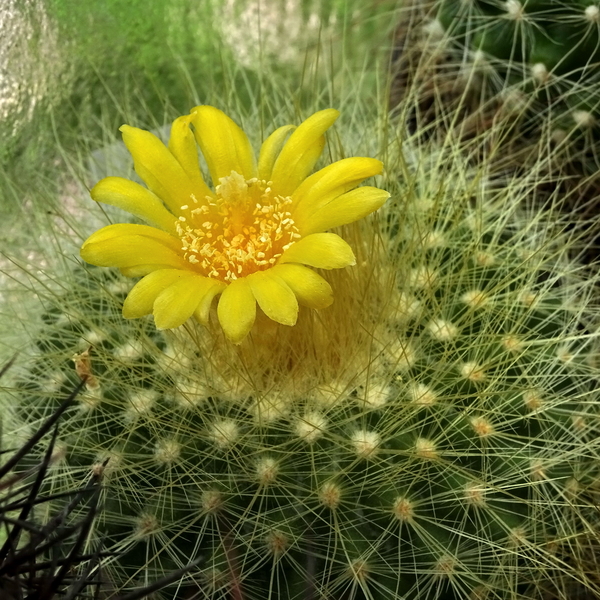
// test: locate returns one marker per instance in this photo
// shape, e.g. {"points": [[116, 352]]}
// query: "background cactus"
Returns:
{"points": [[540, 56], [433, 434], [517, 81], [551, 50]]}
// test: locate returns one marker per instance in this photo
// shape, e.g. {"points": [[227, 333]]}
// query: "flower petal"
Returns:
{"points": [[159, 169], [177, 303], [140, 300], [301, 152], [320, 250], [182, 145], [224, 145], [332, 181], [130, 251], [135, 199], [140, 270], [274, 297], [120, 229], [344, 209], [203, 309], [309, 287], [237, 310], [269, 151]]}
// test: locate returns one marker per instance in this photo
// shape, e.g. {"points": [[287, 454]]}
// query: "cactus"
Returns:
{"points": [[537, 55], [517, 81], [431, 435], [531, 54], [549, 38], [554, 50]]}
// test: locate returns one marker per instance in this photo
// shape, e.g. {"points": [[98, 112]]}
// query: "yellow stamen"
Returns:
{"points": [[249, 229]]}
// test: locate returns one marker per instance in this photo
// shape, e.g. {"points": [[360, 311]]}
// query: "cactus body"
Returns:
{"points": [[549, 50], [452, 463]]}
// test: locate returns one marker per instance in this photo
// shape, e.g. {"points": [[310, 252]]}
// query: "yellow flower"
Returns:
{"points": [[250, 239]]}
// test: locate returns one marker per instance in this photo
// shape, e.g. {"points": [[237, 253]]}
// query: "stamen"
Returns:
{"points": [[244, 235]]}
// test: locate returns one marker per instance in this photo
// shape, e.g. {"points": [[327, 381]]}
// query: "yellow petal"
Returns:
{"points": [[237, 310], [182, 145], [299, 155], [130, 251], [274, 297], [127, 229], [203, 309], [140, 300], [344, 209], [224, 145], [269, 151], [177, 303], [310, 288], [140, 270], [332, 181], [135, 199], [320, 250], [159, 169]]}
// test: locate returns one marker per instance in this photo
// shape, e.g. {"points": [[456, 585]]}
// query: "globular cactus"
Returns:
{"points": [[537, 60], [517, 81], [550, 51], [432, 434]]}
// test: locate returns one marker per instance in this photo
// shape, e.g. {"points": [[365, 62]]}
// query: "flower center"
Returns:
{"points": [[243, 230]]}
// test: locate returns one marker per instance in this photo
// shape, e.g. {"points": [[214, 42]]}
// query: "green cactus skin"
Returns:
{"points": [[453, 466], [549, 50]]}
